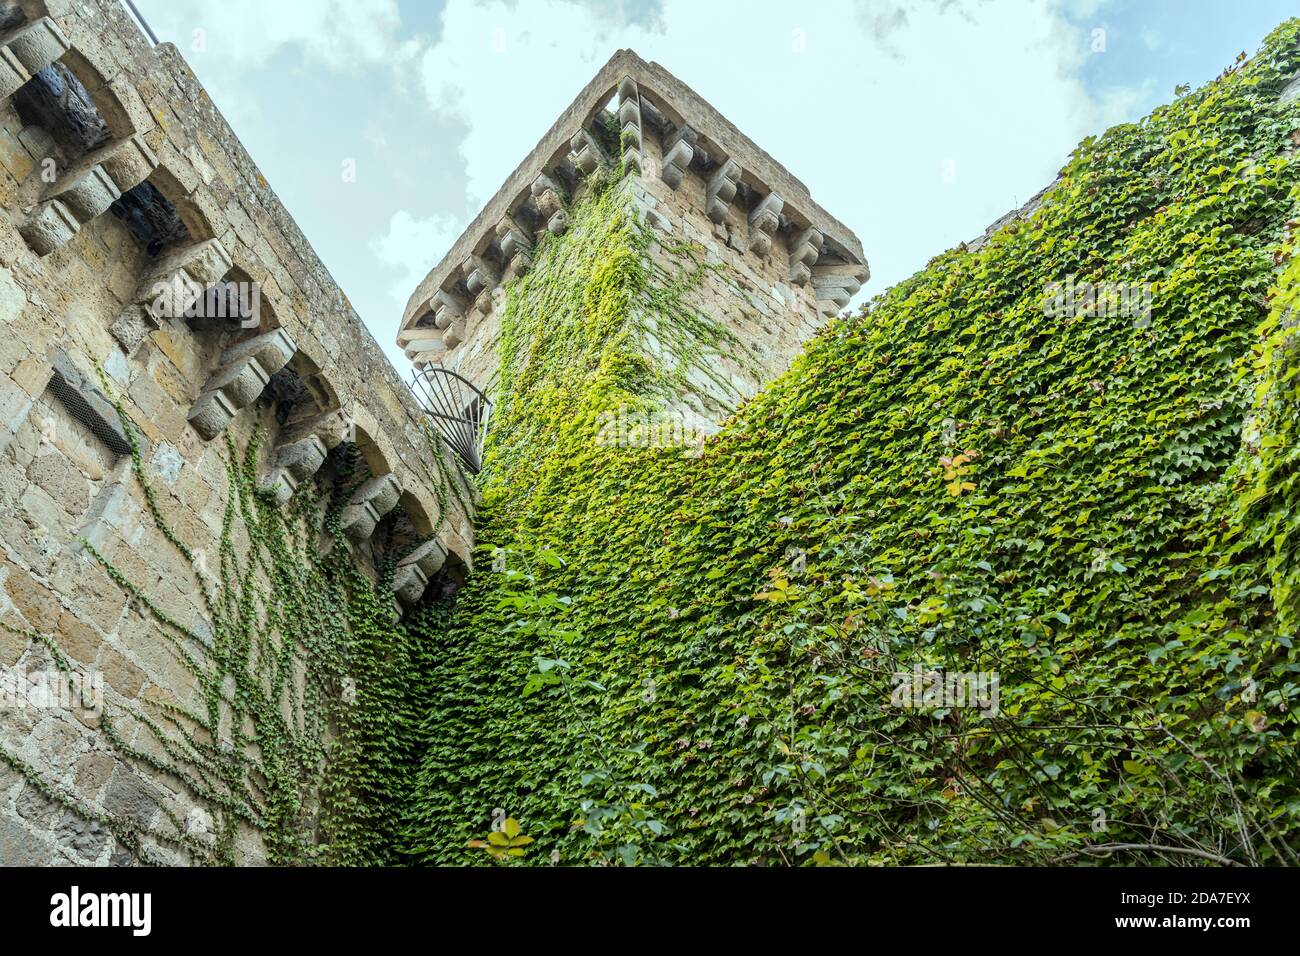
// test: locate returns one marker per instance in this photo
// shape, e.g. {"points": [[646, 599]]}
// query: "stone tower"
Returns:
{"points": [[695, 178]]}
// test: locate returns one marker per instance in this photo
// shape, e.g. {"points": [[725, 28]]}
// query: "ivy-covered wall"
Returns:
{"points": [[666, 656], [289, 732]]}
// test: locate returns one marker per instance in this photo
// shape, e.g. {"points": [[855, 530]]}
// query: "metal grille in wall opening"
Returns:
{"points": [[458, 409]]}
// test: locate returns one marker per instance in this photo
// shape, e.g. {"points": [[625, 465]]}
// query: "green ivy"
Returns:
{"points": [[1098, 510]]}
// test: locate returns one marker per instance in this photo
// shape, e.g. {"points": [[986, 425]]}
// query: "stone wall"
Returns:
{"points": [[126, 199], [754, 295]]}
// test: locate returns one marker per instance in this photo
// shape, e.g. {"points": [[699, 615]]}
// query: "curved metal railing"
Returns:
{"points": [[458, 409]]}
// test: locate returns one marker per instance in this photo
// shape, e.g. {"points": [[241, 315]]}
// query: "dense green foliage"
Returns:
{"points": [[1271, 501], [667, 658]]}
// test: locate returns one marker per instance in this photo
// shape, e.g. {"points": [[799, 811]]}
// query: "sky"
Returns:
{"points": [[385, 125]]}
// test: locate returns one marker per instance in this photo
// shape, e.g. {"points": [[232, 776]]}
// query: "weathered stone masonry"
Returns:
{"points": [[117, 173]]}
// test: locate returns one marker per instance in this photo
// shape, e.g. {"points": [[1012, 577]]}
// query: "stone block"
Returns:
{"points": [[122, 675], [429, 557], [676, 161], [382, 491], [241, 381], [205, 262], [77, 639], [518, 265], [633, 161], [12, 74], [446, 306], [128, 162], [280, 485], [479, 276], [358, 521], [1291, 92], [374, 499], [37, 141], [425, 349], [211, 414], [85, 838], [12, 646], [132, 327], [58, 477], [721, 190], [131, 798], [36, 808], [409, 584], [36, 45], [121, 857], [629, 113], [13, 154], [764, 220], [586, 153], [806, 247], [86, 586], [511, 237], [19, 846], [546, 196], [13, 298], [38, 605], [92, 772], [303, 458], [272, 350], [166, 463], [87, 194], [50, 226], [331, 428]]}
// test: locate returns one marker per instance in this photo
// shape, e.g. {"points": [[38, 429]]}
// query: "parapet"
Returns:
{"points": [[698, 171]]}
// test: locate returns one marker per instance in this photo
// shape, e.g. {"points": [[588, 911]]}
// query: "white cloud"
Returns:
{"points": [[1152, 40], [335, 34], [410, 248], [414, 246], [1082, 9], [507, 71]]}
